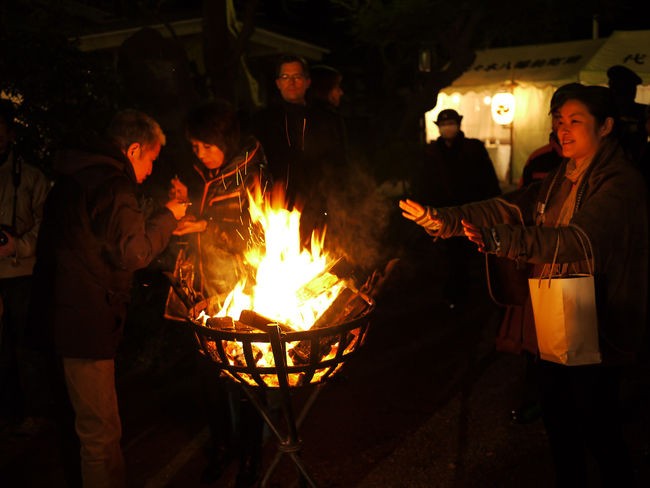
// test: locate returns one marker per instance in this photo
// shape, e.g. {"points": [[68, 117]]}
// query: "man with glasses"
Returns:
{"points": [[302, 144]]}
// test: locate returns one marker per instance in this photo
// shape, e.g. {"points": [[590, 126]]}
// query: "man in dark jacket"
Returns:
{"points": [[623, 82], [303, 144], [94, 235], [455, 170]]}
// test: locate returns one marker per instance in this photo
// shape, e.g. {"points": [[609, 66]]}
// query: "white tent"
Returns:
{"points": [[532, 74]]}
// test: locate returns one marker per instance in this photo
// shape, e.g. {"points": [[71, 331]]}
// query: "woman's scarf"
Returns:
{"points": [[574, 174]]}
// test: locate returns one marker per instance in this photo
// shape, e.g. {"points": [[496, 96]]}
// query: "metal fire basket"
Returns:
{"points": [[259, 353]]}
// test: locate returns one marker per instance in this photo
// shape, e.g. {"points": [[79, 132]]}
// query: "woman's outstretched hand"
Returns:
{"points": [[421, 215], [411, 210]]}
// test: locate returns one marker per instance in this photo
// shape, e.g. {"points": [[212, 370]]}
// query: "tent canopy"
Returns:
{"points": [[585, 61], [532, 73], [627, 48], [538, 64]]}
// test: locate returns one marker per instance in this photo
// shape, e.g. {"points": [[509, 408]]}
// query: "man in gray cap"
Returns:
{"points": [[623, 82]]}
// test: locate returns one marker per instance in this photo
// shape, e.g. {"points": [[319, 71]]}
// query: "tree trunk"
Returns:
{"points": [[222, 51]]}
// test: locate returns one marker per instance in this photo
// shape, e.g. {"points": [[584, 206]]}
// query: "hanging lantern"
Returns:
{"points": [[503, 108]]}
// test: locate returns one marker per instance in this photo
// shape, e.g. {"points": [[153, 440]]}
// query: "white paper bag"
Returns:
{"points": [[566, 321]]}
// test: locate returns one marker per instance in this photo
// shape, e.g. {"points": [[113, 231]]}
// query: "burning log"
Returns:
{"points": [[249, 317], [347, 306], [220, 323]]}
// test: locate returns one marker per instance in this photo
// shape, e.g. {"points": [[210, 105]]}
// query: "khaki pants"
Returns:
{"points": [[91, 386]]}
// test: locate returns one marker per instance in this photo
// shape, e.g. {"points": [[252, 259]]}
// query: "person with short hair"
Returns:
{"points": [[219, 229], [546, 158], [94, 236]]}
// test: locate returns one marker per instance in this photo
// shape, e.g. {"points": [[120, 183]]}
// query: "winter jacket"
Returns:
{"points": [[456, 174], [32, 190], [94, 235], [611, 212], [224, 204]]}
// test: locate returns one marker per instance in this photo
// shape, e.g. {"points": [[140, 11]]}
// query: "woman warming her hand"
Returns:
{"points": [[594, 200]]}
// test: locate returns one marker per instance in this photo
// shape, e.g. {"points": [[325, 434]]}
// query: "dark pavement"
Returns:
{"points": [[425, 403]]}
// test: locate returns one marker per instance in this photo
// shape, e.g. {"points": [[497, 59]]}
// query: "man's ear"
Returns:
{"points": [[132, 150]]}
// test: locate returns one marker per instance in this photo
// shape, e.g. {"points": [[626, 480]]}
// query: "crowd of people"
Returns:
{"points": [[70, 248]]}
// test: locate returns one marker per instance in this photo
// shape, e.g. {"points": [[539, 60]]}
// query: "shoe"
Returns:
{"points": [[526, 413], [217, 464]]}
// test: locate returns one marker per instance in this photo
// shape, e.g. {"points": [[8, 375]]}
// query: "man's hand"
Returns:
{"points": [[178, 207]]}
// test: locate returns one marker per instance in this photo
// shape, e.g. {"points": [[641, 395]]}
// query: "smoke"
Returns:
{"points": [[358, 216]]}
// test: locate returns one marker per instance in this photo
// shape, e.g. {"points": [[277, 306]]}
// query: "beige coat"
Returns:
{"points": [[32, 191]]}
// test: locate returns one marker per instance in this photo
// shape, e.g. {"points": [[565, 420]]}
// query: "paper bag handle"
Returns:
{"points": [[584, 243]]}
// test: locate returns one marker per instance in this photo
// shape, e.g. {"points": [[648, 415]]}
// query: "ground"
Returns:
{"points": [[424, 403]]}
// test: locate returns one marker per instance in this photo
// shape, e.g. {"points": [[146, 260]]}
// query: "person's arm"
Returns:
{"points": [[614, 210], [445, 222], [135, 240]]}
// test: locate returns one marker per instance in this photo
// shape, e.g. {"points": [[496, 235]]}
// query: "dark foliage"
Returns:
{"points": [[59, 90]]}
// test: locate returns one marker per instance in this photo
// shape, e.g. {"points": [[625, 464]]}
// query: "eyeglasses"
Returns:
{"points": [[285, 78]]}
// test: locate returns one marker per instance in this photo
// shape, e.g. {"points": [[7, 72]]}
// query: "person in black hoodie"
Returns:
{"points": [[94, 235]]}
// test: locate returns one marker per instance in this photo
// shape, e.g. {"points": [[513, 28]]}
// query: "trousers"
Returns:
{"points": [[91, 387]]}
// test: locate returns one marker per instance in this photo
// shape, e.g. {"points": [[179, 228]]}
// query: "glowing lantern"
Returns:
{"points": [[503, 108]]}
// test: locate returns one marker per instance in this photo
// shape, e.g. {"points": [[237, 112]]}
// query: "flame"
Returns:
{"points": [[292, 284]]}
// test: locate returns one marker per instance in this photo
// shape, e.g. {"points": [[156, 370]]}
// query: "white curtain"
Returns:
{"points": [[532, 124]]}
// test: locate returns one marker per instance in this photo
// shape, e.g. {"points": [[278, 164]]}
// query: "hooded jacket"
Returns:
{"points": [[94, 235], [611, 211]]}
